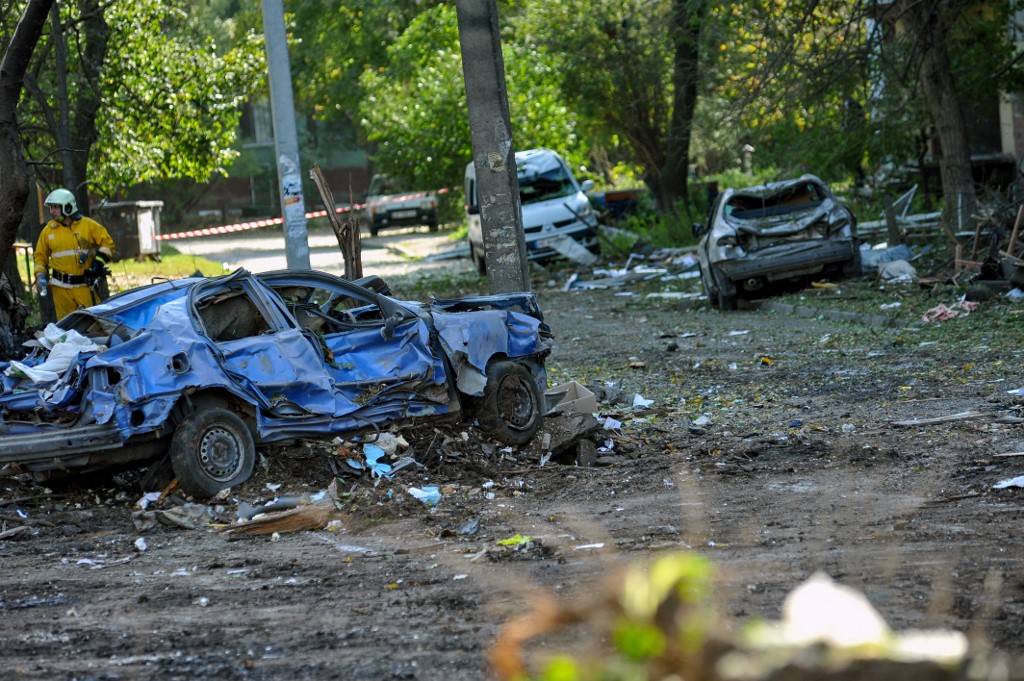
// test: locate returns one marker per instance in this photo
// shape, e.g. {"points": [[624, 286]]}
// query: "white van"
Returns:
{"points": [[553, 202]]}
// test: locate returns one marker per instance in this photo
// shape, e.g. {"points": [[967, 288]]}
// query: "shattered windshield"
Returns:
{"points": [[540, 182], [792, 198]]}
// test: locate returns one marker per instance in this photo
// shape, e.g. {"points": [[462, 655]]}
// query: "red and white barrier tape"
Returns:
{"points": [[256, 224]]}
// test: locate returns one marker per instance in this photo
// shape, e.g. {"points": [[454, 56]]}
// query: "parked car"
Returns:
{"points": [[554, 205], [772, 234], [390, 203], [204, 370]]}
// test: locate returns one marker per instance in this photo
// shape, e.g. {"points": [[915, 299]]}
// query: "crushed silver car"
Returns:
{"points": [[778, 233]]}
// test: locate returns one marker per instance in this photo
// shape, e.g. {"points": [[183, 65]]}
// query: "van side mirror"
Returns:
{"points": [[586, 185]]}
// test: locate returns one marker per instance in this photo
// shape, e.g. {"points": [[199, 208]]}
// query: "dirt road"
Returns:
{"points": [[771, 447]]}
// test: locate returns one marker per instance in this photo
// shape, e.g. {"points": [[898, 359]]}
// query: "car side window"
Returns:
{"points": [[328, 311], [231, 315]]}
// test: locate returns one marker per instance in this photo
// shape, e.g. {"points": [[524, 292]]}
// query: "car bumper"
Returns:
{"points": [[405, 217], [789, 259]]}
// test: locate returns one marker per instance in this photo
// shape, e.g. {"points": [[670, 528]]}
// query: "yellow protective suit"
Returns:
{"points": [[68, 251]]}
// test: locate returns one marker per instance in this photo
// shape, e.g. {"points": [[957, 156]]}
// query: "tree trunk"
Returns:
{"points": [[87, 104], [74, 125], [687, 19], [14, 190], [926, 21]]}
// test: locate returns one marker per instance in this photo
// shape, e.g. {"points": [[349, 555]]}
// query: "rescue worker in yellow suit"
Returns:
{"points": [[75, 249]]}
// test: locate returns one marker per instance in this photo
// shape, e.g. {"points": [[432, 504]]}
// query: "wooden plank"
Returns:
{"points": [[1013, 235], [962, 416]]}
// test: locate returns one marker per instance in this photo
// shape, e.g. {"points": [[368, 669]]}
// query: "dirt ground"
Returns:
{"points": [[771, 447]]}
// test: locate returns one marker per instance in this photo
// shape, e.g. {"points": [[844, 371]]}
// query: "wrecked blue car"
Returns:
{"points": [[202, 371]]}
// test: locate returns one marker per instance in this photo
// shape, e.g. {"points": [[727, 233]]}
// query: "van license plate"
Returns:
{"points": [[403, 214]]}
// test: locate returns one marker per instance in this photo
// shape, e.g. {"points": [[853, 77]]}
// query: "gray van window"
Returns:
{"points": [[540, 184]]}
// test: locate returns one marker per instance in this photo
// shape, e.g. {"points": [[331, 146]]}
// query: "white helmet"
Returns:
{"points": [[64, 199]]}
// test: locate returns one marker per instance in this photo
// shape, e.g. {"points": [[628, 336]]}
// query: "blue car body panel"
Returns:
{"points": [[308, 354]]}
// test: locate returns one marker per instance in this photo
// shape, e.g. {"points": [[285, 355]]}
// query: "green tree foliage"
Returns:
{"points": [[335, 41], [613, 59], [793, 78], [162, 101], [195, 90], [414, 112]]}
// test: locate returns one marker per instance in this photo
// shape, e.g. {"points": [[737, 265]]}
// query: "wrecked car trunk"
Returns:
{"points": [[778, 233], [204, 370]]}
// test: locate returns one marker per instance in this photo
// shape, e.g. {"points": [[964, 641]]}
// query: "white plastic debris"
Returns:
{"points": [[147, 499], [430, 496], [571, 249], [141, 545], [390, 443], [611, 424], [1011, 482], [640, 402]]}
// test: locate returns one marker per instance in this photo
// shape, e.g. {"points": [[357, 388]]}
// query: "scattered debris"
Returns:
{"points": [[897, 272], [962, 416], [569, 248], [14, 531], [944, 313], [312, 513], [430, 495], [572, 398], [1012, 482], [639, 402], [515, 540], [675, 265]]}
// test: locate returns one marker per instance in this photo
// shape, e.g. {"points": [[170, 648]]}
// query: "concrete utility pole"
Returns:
{"points": [[286, 140], [501, 217]]}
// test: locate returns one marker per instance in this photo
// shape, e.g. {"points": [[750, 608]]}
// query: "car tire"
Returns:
{"points": [[211, 450], [511, 407], [725, 292], [374, 229], [851, 268], [433, 226]]}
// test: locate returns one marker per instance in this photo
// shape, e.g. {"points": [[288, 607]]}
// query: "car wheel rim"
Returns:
{"points": [[515, 403], [219, 454]]}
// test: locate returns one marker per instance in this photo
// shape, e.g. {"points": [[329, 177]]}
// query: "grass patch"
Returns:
{"points": [[127, 274], [994, 325]]}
